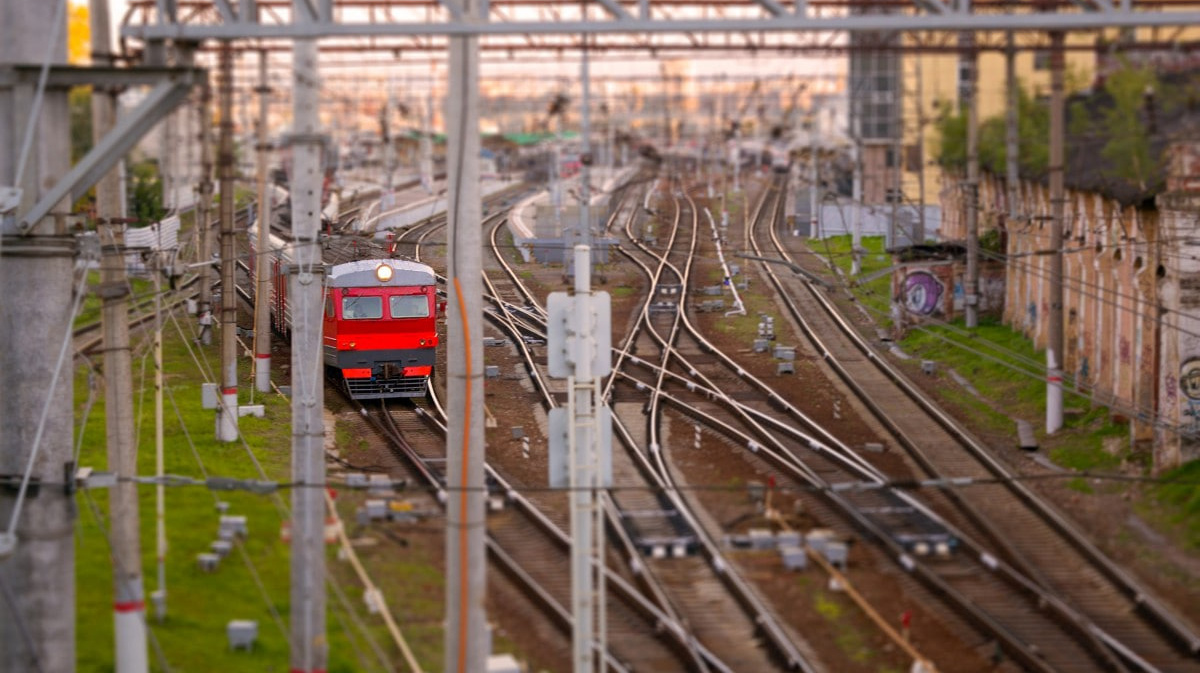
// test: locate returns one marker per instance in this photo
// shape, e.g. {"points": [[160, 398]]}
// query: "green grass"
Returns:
{"points": [[745, 327], [1180, 496], [1006, 369], [1086, 450], [848, 639], [90, 307], [505, 242], [1000, 363], [735, 203], [192, 637], [875, 294]]}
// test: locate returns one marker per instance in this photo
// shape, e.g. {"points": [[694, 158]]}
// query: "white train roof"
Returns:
{"points": [[361, 273]]}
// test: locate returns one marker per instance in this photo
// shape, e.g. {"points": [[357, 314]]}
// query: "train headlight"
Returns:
{"points": [[383, 272]]}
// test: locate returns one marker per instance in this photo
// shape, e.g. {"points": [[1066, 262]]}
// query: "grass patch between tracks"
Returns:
{"points": [[846, 635], [92, 304], [1181, 501], [1008, 373], [193, 637], [874, 294]]}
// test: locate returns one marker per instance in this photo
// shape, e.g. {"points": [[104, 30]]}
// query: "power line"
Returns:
{"points": [[1089, 391], [176, 481]]}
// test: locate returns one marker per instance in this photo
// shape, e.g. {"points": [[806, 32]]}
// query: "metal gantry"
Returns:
{"points": [[525, 25]]}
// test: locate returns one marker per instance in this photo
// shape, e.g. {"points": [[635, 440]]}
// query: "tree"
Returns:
{"points": [[1033, 133], [79, 104], [145, 192], [1128, 147]]}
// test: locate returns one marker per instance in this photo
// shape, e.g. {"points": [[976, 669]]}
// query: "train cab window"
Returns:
{"points": [[409, 306], [328, 307], [362, 308]]}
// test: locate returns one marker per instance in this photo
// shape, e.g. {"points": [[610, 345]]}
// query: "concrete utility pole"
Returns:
{"points": [[425, 147], [1054, 338], [203, 219], [168, 146], [1012, 168], [37, 549], [556, 189], [466, 563], [585, 170], [609, 130], [665, 83], [389, 153], [970, 100], [735, 157], [159, 595], [918, 97], [262, 293], [129, 602], [857, 198], [1012, 147], [227, 412], [587, 520], [305, 296], [814, 199], [897, 175]]}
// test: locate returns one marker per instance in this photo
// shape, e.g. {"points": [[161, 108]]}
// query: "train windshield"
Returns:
{"points": [[409, 306], [362, 308]]}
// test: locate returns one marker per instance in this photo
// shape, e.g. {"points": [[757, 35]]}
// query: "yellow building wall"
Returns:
{"points": [[931, 90], [931, 87]]}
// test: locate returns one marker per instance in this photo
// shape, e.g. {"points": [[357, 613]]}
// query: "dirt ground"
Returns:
{"points": [[841, 633]]}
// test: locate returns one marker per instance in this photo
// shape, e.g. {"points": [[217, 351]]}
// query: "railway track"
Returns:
{"points": [[532, 548], [526, 539], [1016, 573], [1091, 600], [744, 633], [1026, 621]]}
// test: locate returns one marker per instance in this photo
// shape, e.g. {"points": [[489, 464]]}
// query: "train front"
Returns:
{"points": [[380, 327]]}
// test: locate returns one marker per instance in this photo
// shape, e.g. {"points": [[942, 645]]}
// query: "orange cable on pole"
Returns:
{"points": [[466, 441]]}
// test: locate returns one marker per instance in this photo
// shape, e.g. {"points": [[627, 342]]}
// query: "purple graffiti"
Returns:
{"points": [[922, 292]]}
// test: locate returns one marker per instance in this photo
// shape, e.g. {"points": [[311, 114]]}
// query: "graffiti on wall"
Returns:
{"points": [[923, 293], [1189, 385]]}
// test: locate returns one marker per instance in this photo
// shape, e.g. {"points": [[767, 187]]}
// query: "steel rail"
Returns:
{"points": [[762, 616], [1071, 615]]}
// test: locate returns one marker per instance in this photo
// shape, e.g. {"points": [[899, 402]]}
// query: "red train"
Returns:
{"points": [[379, 326]]}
